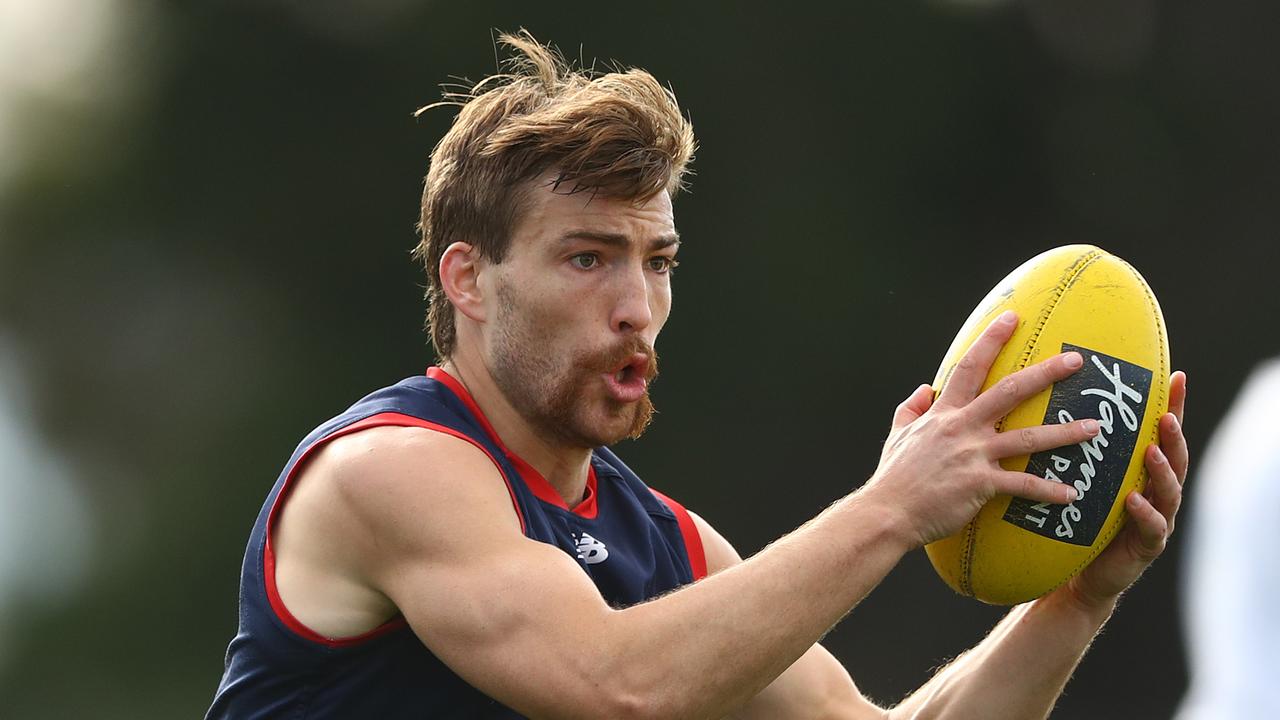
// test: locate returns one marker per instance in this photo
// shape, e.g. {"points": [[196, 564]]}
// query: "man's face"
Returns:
{"points": [[578, 302]]}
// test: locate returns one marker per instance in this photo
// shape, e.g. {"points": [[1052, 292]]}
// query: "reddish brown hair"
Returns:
{"points": [[619, 134]]}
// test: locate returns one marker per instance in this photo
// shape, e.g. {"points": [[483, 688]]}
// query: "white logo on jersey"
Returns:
{"points": [[591, 550]]}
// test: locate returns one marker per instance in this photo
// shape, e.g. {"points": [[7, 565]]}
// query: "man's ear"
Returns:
{"points": [[460, 267]]}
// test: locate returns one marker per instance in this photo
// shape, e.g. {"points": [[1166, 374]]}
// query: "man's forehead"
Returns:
{"points": [[551, 209]]}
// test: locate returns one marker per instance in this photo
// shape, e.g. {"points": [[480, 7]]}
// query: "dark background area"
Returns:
{"points": [[206, 213]]}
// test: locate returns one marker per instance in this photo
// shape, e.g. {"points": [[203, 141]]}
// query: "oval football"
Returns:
{"points": [[1076, 297]]}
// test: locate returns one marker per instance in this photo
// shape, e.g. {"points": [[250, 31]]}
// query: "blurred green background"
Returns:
{"points": [[206, 211]]}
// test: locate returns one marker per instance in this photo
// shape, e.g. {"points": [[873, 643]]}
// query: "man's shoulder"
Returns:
{"points": [[400, 490], [388, 455]]}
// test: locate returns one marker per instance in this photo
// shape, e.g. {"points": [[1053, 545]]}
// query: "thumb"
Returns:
{"points": [[910, 410]]}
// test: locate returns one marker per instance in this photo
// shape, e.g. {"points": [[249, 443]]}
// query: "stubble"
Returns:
{"points": [[551, 386]]}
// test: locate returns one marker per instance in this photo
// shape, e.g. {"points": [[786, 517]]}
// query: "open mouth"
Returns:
{"points": [[635, 368], [627, 382]]}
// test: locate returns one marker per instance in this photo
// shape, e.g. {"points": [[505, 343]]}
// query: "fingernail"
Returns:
{"points": [[1157, 454], [1072, 494], [1008, 317], [1090, 426], [1173, 422], [1073, 360]]}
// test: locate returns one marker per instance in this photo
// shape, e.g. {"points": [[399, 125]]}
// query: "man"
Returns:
{"points": [[462, 545]]}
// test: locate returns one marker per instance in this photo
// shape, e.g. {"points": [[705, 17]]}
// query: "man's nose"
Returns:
{"points": [[631, 312]]}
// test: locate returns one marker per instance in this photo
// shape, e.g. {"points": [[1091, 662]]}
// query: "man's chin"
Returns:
{"points": [[621, 422]]}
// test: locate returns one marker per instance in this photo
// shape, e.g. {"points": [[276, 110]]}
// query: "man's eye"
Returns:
{"points": [[662, 264], [585, 261]]}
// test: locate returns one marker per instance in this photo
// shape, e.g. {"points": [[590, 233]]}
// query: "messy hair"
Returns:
{"points": [[618, 134]]}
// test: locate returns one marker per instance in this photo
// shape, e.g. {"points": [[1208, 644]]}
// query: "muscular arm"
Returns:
{"points": [[1038, 643], [425, 520], [521, 621], [1018, 671], [435, 531]]}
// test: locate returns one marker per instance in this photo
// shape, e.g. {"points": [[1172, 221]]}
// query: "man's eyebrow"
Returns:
{"points": [[619, 240]]}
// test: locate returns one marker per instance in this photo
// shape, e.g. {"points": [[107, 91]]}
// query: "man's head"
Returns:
{"points": [[548, 206], [618, 135]]}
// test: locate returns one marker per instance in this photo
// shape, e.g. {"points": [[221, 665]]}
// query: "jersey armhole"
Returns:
{"points": [[268, 556], [692, 539]]}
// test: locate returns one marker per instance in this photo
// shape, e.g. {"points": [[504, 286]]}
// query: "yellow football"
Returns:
{"points": [[1076, 297]]}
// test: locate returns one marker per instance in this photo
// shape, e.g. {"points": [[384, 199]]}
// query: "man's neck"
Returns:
{"points": [[565, 469]]}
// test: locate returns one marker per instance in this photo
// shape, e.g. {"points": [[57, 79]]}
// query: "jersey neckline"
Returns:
{"points": [[537, 484]]}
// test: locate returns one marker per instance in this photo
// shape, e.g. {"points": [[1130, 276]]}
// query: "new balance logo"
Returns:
{"points": [[590, 550]]}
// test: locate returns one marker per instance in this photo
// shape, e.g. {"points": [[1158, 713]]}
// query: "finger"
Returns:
{"points": [[1032, 487], [1025, 441], [1152, 526], [913, 407], [1012, 389], [1178, 394], [971, 372], [1163, 492], [1174, 446]]}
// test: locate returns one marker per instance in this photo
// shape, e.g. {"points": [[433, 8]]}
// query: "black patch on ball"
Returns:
{"points": [[1114, 393]]}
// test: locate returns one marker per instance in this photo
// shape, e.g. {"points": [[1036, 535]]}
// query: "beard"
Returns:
{"points": [[555, 393]]}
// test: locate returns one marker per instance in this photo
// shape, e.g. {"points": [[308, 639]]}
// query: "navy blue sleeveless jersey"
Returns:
{"points": [[633, 542]]}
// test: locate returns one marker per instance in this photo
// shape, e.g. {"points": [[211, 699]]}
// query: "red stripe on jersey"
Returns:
{"points": [[537, 484], [692, 539], [269, 559]]}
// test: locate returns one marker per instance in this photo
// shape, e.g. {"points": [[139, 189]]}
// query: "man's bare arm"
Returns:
{"points": [[519, 619], [426, 521], [1029, 655], [1028, 658]]}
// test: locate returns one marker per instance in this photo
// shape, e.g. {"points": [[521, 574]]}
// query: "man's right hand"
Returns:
{"points": [[941, 462]]}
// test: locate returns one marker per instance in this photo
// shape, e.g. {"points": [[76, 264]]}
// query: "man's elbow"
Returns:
{"points": [[635, 706], [640, 694]]}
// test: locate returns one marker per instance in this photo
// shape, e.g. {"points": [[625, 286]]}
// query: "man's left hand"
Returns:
{"points": [[1151, 513]]}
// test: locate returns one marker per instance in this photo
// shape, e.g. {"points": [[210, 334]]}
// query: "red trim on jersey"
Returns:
{"points": [[269, 559], [692, 539], [532, 478]]}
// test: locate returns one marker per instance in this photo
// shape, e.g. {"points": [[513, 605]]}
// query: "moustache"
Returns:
{"points": [[610, 359]]}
